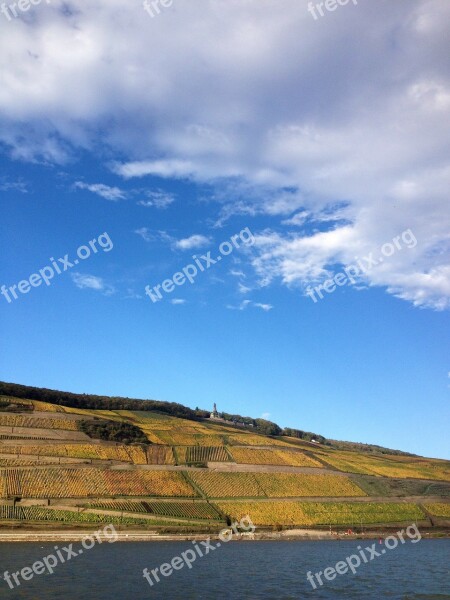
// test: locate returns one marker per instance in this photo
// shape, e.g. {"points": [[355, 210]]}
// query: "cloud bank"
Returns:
{"points": [[335, 128]]}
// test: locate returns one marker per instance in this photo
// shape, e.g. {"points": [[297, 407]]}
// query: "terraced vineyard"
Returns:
{"points": [[285, 485], [254, 456], [153, 437], [365, 512], [227, 485], [85, 482], [181, 510], [36, 422], [247, 439], [265, 513], [189, 439], [185, 510], [201, 454], [133, 506], [388, 466], [133, 454], [17, 462], [438, 509], [38, 514], [24, 437], [46, 407], [323, 513], [273, 485], [12, 400]]}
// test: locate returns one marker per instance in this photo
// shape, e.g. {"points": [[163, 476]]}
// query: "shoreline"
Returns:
{"points": [[139, 536]]}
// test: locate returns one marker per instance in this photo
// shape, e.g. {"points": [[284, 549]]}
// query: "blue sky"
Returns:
{"points": [[325, 143]]}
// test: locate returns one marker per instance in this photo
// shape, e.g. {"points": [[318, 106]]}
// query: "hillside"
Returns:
{"points": [[67, 466]]}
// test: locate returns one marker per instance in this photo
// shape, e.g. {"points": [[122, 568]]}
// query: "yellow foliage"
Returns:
{"points": [[388, 466], [439, 509], [41, 423], [79, 483], [273, 485], [322, 513], [134, 454], [275, 456]]}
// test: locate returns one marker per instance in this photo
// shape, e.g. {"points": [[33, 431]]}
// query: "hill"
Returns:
{"points": [[91, 401], [164, 467]]}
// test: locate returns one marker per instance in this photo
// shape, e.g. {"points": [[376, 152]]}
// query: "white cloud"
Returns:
{"points": [[248, 303], [265, 415], [178, 301], [316, 113], [194, 241], [242, 306], [6, 185], [145, 234], [236, 273], [161, 168], [157, 199], [314, 258], [105, 191], [264, 307], [92, 282], [244, 289], [298, 219], [154, 236]]}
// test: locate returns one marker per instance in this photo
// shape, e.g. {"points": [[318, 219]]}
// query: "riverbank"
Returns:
{"points": [[146, 536]]}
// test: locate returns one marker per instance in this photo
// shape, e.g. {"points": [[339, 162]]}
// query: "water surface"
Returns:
{"points": [[248, 570]]}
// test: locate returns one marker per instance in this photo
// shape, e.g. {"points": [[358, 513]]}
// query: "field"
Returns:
{"points": [[192, 438], [185, 510], [181, 510], [19, 462], [133, 506], [201, 454], [255, 456], [47, 407], [133, 454], [265, 513], [85, 482], [438, 509], [386, 465], [367, 512], [14, 400], [153, 437], [38, 514], [248, 439], [227, 485], [384, 486], [322, 513], [277, 485], [37, 422], [273, 485]]}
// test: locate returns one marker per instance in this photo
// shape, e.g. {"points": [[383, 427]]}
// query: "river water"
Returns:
{"points": [[237, 570]]}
